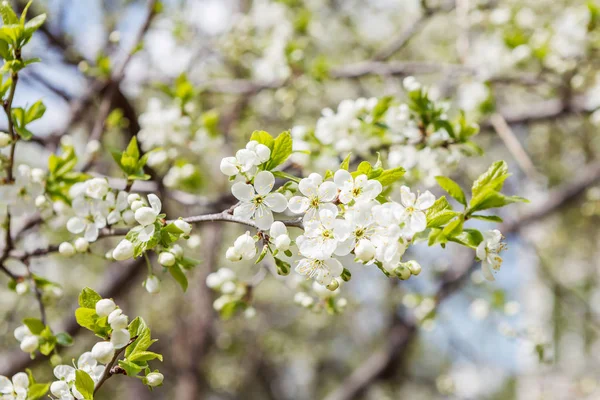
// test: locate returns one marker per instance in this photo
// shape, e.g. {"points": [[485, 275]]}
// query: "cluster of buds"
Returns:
{"points": [[234, 294]]}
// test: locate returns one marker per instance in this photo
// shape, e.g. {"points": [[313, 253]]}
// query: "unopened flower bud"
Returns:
{"points": [[282, 242], [104, 307], [131, 198], [4, 139], [21, 288], [232, 255], [184, 226], [103, 352], [194, 241], [92, 147], [81, 245], [228, 287], [413, 266], [333, 285], [120, 338], [41, 201], [30, 343], [152, 284], [123, 251], [154, 379], [117, 320], [402, 272], [177, 251], [365, 250], [38, 175], [166, 259], [129, 217], [66, 249], [136, 205], [145, 215], [250, 312]]}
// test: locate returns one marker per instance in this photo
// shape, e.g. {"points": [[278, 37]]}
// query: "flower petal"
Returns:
{"points": [[91, 233], [155, 203], [263, 182], [242, 191], [335, 267], [277, 229], [327, 191], [425, 201], [146, 233], [417, 222], [407, 198], [245, 210], [263, 217], [342, 177], [298, 204], [75, 225], [276, 202], [307, 187]]}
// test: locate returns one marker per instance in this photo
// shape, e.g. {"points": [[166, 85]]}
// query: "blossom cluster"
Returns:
{"points": [[233, 292], [402, 131]]}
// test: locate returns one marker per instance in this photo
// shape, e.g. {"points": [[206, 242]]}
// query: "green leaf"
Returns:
{"points": [[132, 149], [84, 384], [452, 188], [36, 111], [34, 24], [489, 218], [453, 228], [8, 15], [469, 238], [492, 179], [346, 163], [86, 317], [263, 137], [493, 199], [179, 276], [64, 339], [144, 356], [390, 176], [88, 298], [37, 390], [441, 218], [35, 325], [282, 149], [283, 268], [131, 368]]}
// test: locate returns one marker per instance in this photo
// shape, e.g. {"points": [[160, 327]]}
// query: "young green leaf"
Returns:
{"points": [[281, 150], [84, 384], [452, 188], [88, 298]]}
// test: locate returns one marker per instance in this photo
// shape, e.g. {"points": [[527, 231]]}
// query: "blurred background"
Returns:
{"points": [[526, 71]]}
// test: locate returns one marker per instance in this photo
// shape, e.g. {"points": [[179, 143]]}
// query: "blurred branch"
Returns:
{"points": [[403, 332], [514, 146]]}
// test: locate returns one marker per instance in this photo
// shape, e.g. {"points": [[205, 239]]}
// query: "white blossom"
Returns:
{"points": [[256, 201], [152, 284], [360, 189], [246, 160], [322, 271], [104, 307], [488, 251], [414, 208], [123, 251], [318, 196], [279, 235], [15, 389], [154, 379], [103, 352]]}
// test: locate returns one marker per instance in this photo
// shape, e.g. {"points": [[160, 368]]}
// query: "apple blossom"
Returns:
{"points": [[488, 252], [154, 379], [66, 249], [81, 245], [117, 320], [360, 189], [166, 259], [256, 201], [319, 196], [152, 284]]}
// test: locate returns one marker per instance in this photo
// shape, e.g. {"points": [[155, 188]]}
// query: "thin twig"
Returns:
{"points": [[108, 369]]}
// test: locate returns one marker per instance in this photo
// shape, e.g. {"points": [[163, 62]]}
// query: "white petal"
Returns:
{"points": [[487, 273], [229, 166], [64, 372], [407, 198], [335, 267], [425, 201], [417, 222], [263, 182], [6, 386], [244, 210], [263, 218], [298, 204], [327, 191], [329, 206], [372, 189], [91, 233], [276, 202], [20, 381], [146, 233], [75, 225], [345, 247], [342, 177], [155, 203], [113, 217], [307, 187], [242, 191]]}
